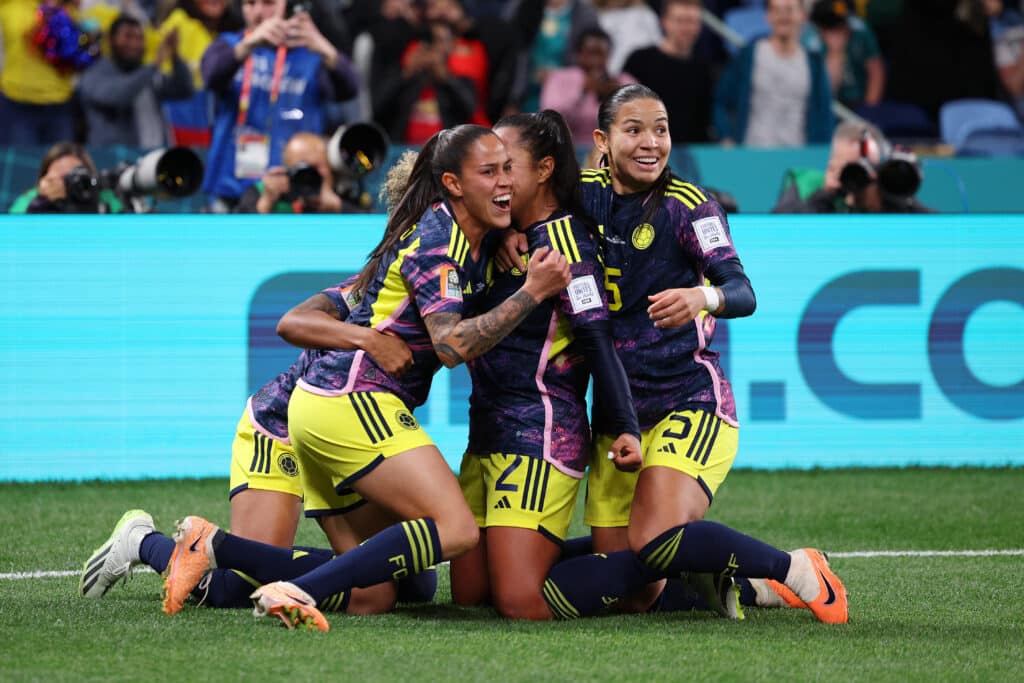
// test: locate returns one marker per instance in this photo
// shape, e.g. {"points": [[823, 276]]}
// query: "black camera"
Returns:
{"points": [[353, 152], [304, 181], [82, 187], [293, 7], [898, 172]]}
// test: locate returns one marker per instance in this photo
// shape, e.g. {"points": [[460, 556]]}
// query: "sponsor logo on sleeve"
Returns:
{"points": [[710, 233], [584, 294]]}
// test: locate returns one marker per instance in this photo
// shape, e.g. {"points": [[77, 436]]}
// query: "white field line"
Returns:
{"points": [[50, 574]]}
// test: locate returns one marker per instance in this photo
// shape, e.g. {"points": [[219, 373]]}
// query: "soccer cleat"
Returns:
{"points": [[114, 560], [775, 594], [720, 593], [829, 603], [192, 557], [289, 603]]}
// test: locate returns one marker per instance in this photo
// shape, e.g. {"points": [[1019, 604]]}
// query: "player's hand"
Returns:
{"points": [[625, 453], [390, 353], [548, 274], [510, 252], [675, 307]]}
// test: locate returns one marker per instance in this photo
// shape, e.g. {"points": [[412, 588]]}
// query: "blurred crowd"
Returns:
{"points": [[245, 81]]}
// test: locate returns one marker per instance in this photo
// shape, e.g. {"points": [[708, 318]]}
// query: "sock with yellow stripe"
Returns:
{"points": [[587, 584], [402, 549], [262, 562], [714, 548]]}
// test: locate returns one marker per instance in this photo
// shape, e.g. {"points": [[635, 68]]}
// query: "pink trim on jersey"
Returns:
{"points": [[306, 386], [548, 410], [399, 310], [260, 428], [701, 345]]}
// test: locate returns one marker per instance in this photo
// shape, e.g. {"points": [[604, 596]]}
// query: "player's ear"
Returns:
{"points": [[545, 167], [601, 141], [451, 184]]}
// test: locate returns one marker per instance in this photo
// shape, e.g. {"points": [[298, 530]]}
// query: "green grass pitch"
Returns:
{"points": [[916, 618]]}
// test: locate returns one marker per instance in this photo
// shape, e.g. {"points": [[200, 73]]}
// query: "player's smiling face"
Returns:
{"points": [[638, 145], [526, 174], [483, 188]]}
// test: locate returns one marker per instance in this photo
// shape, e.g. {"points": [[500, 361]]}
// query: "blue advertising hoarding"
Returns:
{"points": [[128, 344]]}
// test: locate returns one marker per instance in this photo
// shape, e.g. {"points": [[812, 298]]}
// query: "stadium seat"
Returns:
{"points": [[981, 127], [900, 120], [748, 22]]}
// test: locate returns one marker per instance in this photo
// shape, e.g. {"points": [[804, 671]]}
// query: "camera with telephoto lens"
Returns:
{"points": [[304, 181], [82, 187], [172, 173], [353, 152], [898, 172]]}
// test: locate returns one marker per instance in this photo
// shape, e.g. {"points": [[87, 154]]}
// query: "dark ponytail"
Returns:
{"points": [[443, 153], [547, 134], [606, 114]]}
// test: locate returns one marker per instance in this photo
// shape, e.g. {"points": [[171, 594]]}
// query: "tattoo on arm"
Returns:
{"points": [[456, 340]]}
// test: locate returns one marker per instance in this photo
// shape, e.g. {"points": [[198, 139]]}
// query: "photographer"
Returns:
{"points": [[304, 185], [67, 184], [271, 81], [864, 175]]}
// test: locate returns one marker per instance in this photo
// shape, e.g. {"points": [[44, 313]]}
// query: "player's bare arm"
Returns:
{"points": [[457, 340]]}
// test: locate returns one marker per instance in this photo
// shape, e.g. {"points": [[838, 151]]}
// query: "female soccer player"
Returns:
{"points": [[664, 241], [265, 490], [528, 438], [349, 419]]}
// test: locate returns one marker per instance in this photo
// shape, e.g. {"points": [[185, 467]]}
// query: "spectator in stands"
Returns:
{"points": [[549, 31], [493, 38], [270, 82], [632, 25], [775, 93], [68, 183], [854, 62], [197, 23], [288, 188], [121, 96], [429, 88], [1008, 46], [43, 48], [682, 78], [576, 91], [811, 191]]}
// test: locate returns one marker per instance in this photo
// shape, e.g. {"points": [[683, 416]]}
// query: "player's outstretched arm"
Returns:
{"points": [[316, 323]]}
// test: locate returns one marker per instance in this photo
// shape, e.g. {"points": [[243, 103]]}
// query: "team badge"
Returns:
{"points": [[643, 235], [405, 418], [286, 462]]}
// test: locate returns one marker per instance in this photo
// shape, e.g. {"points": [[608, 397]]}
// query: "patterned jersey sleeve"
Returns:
{"points": [[432, 267], [584, 300], [701, 224], [343, 296]]}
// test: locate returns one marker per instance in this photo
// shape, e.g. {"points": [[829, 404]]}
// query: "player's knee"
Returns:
{"points": [[458, 535], [521, 604]]}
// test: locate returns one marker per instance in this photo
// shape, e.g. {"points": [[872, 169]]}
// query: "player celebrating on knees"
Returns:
{"points": [[529, 440], [665, 241], [350, 420]]}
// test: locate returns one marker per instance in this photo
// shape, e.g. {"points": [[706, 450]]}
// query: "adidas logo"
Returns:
{"points": [[668, 448], [503, 504]]}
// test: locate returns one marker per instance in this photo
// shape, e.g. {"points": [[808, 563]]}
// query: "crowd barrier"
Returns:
{"points": [[129, 344]]}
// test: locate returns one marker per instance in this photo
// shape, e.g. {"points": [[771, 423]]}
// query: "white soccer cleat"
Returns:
{"points": [[114, 560]]}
